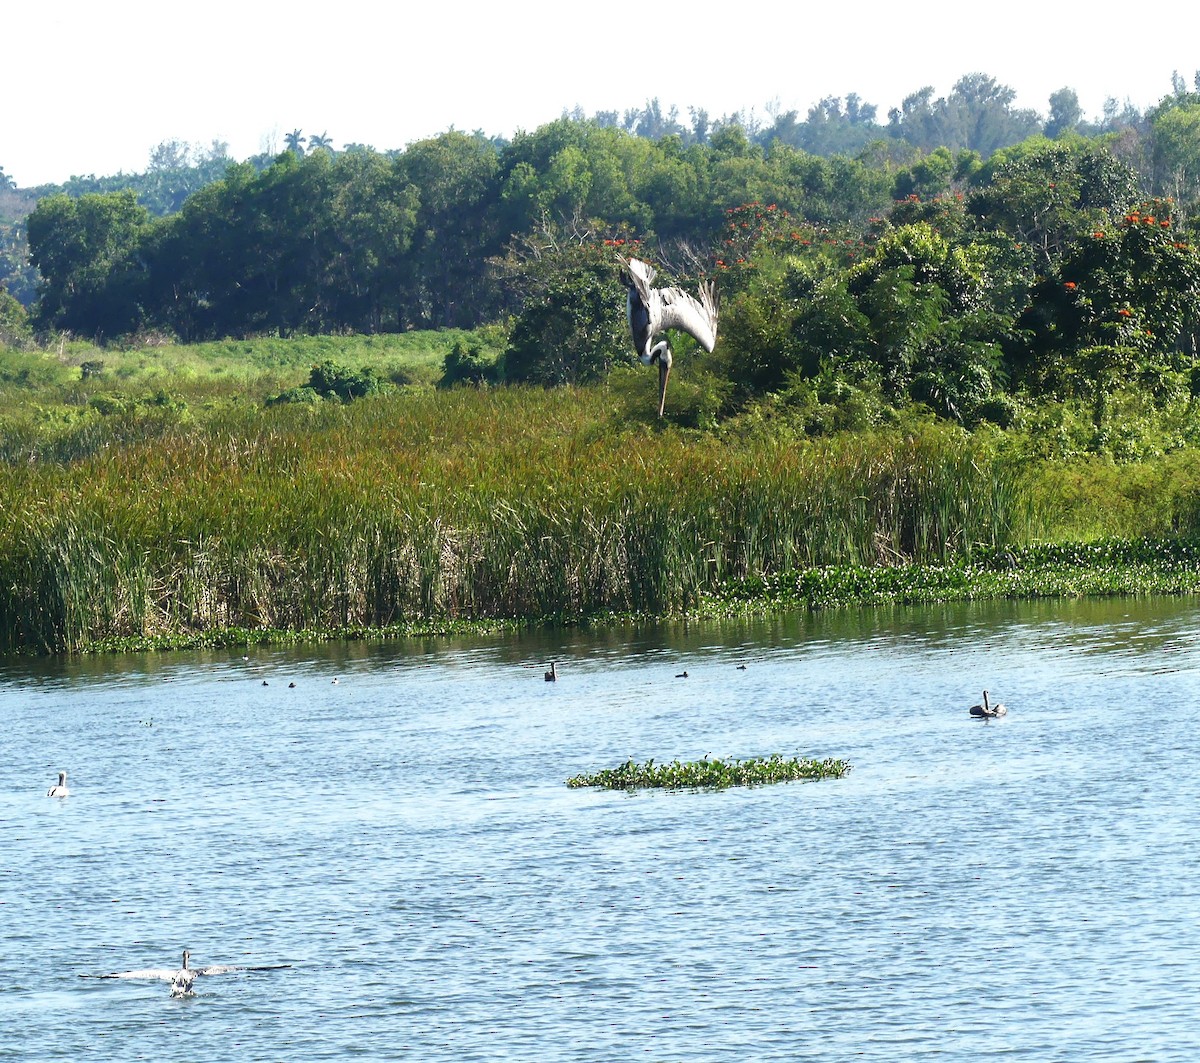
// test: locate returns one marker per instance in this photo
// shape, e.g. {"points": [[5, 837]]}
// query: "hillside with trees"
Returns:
{"points": [[965, 255]]}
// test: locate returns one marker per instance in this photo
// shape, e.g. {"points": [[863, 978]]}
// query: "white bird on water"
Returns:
{"points": [[59, 789], [654, 310], [183, 979]]}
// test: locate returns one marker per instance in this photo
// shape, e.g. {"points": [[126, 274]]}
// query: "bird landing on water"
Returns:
{"points": [[652, 310]]}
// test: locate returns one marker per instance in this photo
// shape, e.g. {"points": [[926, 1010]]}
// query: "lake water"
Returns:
{"points": [[1022, 889]]}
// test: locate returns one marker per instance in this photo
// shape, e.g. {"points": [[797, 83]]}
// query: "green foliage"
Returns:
{"points": [[1123, 306], [328, 379], [87, 251], [467, 365], [716, 774], [571, 328], [154, 518], [14, 322]]}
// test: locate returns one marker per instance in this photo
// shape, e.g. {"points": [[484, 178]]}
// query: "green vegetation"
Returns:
{"points": [[708, 774], [140, 516], [939, 360]]}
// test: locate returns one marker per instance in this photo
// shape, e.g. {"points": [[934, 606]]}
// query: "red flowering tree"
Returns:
{"points": [[1121, 307]]}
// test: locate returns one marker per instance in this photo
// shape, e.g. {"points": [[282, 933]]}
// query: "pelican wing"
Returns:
{"points": [[227, 968], [149, 974], [696, 317], [642, 275], [670, 308]]}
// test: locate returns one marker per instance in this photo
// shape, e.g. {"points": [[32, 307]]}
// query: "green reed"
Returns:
{"points": [[715, 774], [464, 504]]}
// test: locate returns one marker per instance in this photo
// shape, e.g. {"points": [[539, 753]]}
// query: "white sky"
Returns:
{"points": [[91, 86]]}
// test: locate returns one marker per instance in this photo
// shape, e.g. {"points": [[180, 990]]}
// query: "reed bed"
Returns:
{"points": [[715, 774], [465, 504]]}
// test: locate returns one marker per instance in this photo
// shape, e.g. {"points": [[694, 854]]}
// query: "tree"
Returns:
{"points": [[294, 141], [977, 115], [1120, 306], [1065, 113], [571, 328], [87, 251], [1050, 194], [1175, 135]]}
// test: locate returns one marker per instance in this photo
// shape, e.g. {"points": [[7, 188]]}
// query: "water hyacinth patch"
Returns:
{"points": [[709, 774]]}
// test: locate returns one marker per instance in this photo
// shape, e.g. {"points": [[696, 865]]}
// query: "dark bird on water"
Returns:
{"points": [[552, 675], [987, 710], [654, 310]]}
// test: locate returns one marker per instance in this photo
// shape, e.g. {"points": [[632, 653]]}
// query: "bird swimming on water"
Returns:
{"points": [[182, 979], [552, 675], [988, 710], [654, 310], [60, 788]]}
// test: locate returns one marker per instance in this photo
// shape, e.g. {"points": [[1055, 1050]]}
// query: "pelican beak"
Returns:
{"points": [[664, 371]]}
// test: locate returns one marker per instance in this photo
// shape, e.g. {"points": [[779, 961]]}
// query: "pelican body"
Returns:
{"points": [[60, 788], [653, 310], [987, 710]]}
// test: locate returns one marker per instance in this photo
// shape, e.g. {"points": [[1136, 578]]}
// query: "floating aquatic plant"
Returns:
{"points": [[708, 774]]}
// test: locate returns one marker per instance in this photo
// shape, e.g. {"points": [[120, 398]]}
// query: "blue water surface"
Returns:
{"points": [[1021, 889]]}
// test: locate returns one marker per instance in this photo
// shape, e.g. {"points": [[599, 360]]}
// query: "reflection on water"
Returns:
{"points": [[1023, 888]]}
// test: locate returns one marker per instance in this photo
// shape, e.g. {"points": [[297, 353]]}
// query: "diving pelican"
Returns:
{"points": [[60, 789], [987, 709], [654, 310], [182, 979]]}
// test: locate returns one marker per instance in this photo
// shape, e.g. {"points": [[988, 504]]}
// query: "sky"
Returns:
{"points": [[92, 86]]}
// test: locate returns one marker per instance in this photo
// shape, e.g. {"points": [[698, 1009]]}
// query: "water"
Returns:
{"points": [[1023, 888]]}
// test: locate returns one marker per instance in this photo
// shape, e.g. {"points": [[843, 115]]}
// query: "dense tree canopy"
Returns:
{"points": [[958, 256]]}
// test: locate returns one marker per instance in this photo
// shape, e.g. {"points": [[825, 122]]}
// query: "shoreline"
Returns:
{"points": [[1101, 569]]}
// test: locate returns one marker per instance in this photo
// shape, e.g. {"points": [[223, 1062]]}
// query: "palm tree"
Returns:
{"points": [[294, 141], [318, 141]]}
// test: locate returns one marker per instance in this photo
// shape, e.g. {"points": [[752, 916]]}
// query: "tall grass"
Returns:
{"points": [[508, 503]]}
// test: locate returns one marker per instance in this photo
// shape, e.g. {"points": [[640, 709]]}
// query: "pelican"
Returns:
{"points": [[182, 980], [552, 675], [987, 709], [654, 310], [59, 790]]}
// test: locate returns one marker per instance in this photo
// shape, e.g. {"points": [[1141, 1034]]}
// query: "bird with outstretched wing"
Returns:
{"points": [[653, 310]]}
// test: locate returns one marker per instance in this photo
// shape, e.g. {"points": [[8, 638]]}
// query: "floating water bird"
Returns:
{"points": [[654, 310], [552, 675], [182, 980], [741, 668], [682, 675], [60, 789], [988, 710], [334, 681]]}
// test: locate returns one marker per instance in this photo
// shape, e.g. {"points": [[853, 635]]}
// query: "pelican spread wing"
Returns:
{"points": [[181, 978], [653, 310]]}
